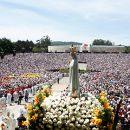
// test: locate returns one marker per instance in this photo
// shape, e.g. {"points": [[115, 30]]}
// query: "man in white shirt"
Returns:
{"points": [[15, 94]]}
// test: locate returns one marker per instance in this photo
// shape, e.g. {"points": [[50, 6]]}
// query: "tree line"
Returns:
{"points": [[7, 46], [102, 42], [108, 43], [41, 45]]}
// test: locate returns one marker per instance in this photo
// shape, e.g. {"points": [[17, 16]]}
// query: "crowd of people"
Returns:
{"points": [[9, 122], [41, 66], [109, 72]]}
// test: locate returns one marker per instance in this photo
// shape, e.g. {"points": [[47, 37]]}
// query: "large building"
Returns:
{"points": [[109, 49], [62, 48], [87, 48]]}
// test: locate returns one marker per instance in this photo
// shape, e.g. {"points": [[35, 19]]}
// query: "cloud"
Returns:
{"points": [[79, 7], [77, 20]]}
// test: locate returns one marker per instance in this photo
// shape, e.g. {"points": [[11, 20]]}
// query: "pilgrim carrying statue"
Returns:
{"points": [[74, 87]]}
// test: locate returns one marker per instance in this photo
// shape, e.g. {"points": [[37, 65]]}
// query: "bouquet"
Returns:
{"points": [[103, 118]]}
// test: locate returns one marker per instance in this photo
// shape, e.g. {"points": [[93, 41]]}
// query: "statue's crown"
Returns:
{"points": [[73, 49]]}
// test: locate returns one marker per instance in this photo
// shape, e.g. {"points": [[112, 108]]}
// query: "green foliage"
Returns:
{"points": [[44, 42], [82, 71], [6, 45], [38, 50], [102, 42], [26, 46], [127, 49], [64, 70]]}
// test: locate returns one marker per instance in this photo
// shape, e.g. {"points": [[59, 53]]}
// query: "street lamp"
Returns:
{"points": [[14, 52], [2, 55], [30, 49], [23, 50]]}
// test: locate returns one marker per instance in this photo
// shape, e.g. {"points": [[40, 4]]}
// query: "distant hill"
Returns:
{"points": [[59, 43]]}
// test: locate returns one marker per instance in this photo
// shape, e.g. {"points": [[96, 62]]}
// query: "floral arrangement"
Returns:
{"points": [[103, 118], [35, 111], [58, 112], [67, 113], [30, 75]]}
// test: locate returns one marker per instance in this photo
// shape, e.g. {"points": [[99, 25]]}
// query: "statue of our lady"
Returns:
{"points": [[74, 86]]}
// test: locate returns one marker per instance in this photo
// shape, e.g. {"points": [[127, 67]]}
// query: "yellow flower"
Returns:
{"points": [[43, 97], [103, 93], [98, 114], [29, 111], [106, 105], [33, 118], [98, 121], [29, 107], [25, 123], [96, 111]]}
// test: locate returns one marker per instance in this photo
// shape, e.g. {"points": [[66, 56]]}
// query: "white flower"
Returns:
{"points": [[59, 123], [71, 125], [83, 99], [83, 126], [86, 121], [95, 128], [81, 121], [73, 119], [70, 112], [54, 120]]}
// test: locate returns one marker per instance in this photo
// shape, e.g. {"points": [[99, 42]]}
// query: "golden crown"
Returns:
{"points": [[73, 49]]}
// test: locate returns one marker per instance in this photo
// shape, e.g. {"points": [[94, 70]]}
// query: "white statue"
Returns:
{"points": [[74, 87]]}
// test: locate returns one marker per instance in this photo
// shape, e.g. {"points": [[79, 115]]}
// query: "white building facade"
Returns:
{"points": [[62, 48], [87, 48]]}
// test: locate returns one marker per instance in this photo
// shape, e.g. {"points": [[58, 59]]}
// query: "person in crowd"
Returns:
{"points": [[3, 126], [20, 120], [8, 121], [9, 98], [20, 96], [26, 96], [12, 98], [13, 123], [15, 95], [58, 80]]}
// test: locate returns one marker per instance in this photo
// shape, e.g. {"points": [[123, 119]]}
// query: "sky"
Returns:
{"points": [[66, 20]]}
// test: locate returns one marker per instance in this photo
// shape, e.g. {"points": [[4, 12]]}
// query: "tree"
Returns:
{"points": [[6, 45], [44, 42], [127, 49], [38, 50], [102, 42], [25, 46]]}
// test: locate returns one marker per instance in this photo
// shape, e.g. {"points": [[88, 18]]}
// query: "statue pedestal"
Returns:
{"points": [[74, 94]]}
